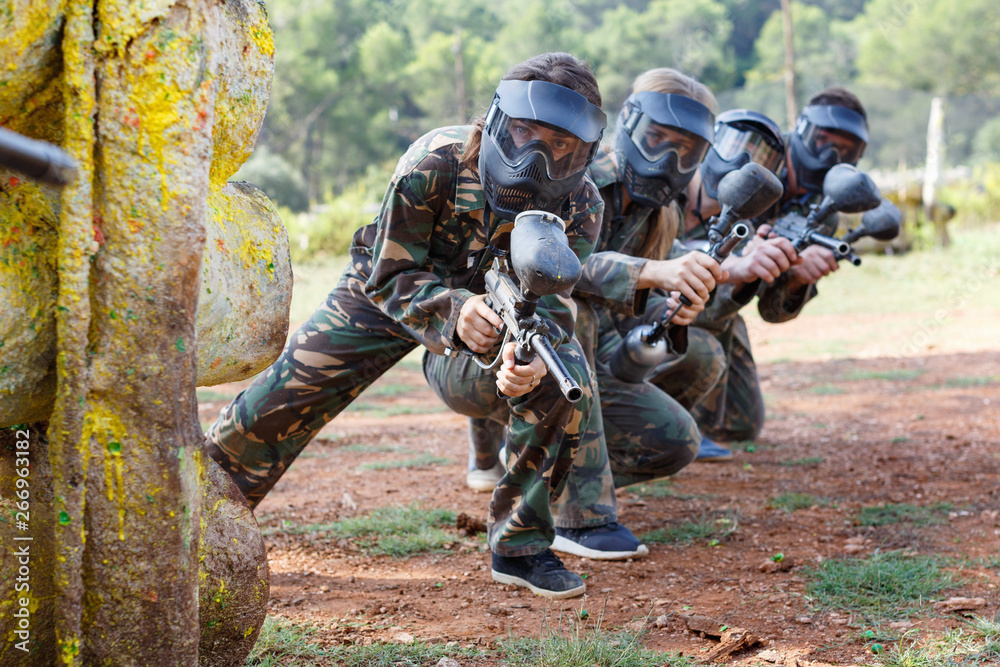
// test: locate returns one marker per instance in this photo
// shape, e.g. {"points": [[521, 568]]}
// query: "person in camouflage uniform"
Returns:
{"points": [[416, 278], [832, 129], [650, 434]]}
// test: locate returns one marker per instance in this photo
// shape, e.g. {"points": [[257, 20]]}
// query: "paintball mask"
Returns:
{"points": [[538, 140], [660, 141], [741, 137], [825, 136]]}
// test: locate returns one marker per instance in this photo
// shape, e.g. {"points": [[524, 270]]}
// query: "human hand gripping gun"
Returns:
{"points": [[544, 265], [38, 160], [743, 193], [845, 189]]}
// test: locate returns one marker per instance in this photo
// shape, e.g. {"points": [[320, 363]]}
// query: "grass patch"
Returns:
{"points": [[808, 461], [392, 389], [417, 654], [313, 453], [790, 502], [711, 528], [976, 644], [982, 381], [212, 396], [827, 390], [379, 411], [883, 515], [283, 643], [749, 446], [664, 488], [376, 449], [895, 375], [885, 584], [399, 532], [593, 647], [415, 462]]}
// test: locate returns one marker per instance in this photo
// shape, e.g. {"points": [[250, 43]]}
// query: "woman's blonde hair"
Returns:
{"points": [[660, 236]]}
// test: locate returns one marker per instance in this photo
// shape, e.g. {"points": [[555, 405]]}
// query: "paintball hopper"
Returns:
{"points": [[540, 254], [881, 223], [745, 193], [846, 189]]}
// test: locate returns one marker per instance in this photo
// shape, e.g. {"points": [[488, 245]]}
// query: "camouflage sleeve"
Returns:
{"points": [[778, 303], [583, 225], [611, 279], [408, 226]]}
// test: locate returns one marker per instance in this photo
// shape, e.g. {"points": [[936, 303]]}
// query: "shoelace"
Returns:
{"points": [[548, 561]]}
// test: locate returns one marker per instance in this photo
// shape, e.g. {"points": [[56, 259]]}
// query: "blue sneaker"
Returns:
{"points": [[711, 451], [611, 541], [543, 573]]}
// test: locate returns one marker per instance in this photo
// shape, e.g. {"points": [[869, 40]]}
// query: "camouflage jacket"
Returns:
{"points": [[428, 249], [611, 275]]}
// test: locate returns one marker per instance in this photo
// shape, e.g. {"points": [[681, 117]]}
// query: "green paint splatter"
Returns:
{"points": [[180, 345], [63, 518], [115, 447]]}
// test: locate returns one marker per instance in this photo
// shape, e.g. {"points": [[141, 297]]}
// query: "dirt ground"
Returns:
{"points": [[854, 433]]}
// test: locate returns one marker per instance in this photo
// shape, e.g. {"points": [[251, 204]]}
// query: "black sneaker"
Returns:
{"points": [[544, 574], [611, 541]]}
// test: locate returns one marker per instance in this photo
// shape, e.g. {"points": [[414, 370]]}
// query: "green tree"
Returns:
{"points": [[692, 37], [824, 51], [947, 47]]}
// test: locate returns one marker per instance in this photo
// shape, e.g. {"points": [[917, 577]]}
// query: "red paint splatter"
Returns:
{"points": [[14, 181]]}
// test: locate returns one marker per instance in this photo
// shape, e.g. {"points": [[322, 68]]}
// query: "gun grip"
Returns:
{"points": [[523, 356]]}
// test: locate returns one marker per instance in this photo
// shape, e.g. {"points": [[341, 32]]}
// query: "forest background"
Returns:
{"points": [[356, 81]]}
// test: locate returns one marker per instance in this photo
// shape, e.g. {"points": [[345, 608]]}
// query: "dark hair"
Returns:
{"points": [[839, 97], [558, 68]]}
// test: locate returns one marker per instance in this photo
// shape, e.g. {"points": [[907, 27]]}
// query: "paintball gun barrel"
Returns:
{"points": [[743, 193], [35, 159], [544, 264]]}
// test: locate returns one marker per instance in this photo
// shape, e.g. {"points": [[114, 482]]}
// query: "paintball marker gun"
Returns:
{"points": [[847, 190], [38, 160], [744, 193], [544, 264]]}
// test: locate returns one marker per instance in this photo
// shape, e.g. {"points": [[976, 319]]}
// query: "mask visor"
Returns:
{"points": [[564, 153], [820, 140], [655, 141], [731, 141]]}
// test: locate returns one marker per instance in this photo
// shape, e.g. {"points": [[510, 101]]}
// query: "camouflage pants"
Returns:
{"points": [[469, 390], [636, 433], [734, 410], [344, 347]]}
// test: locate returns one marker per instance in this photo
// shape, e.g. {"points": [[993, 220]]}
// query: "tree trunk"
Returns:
{"points": [[159, 108]]}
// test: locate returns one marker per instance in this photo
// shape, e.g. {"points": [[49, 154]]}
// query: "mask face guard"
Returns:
{"points": [[660, 141], [658, 123], [548, 110], [538, 140], [825, 128]]}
